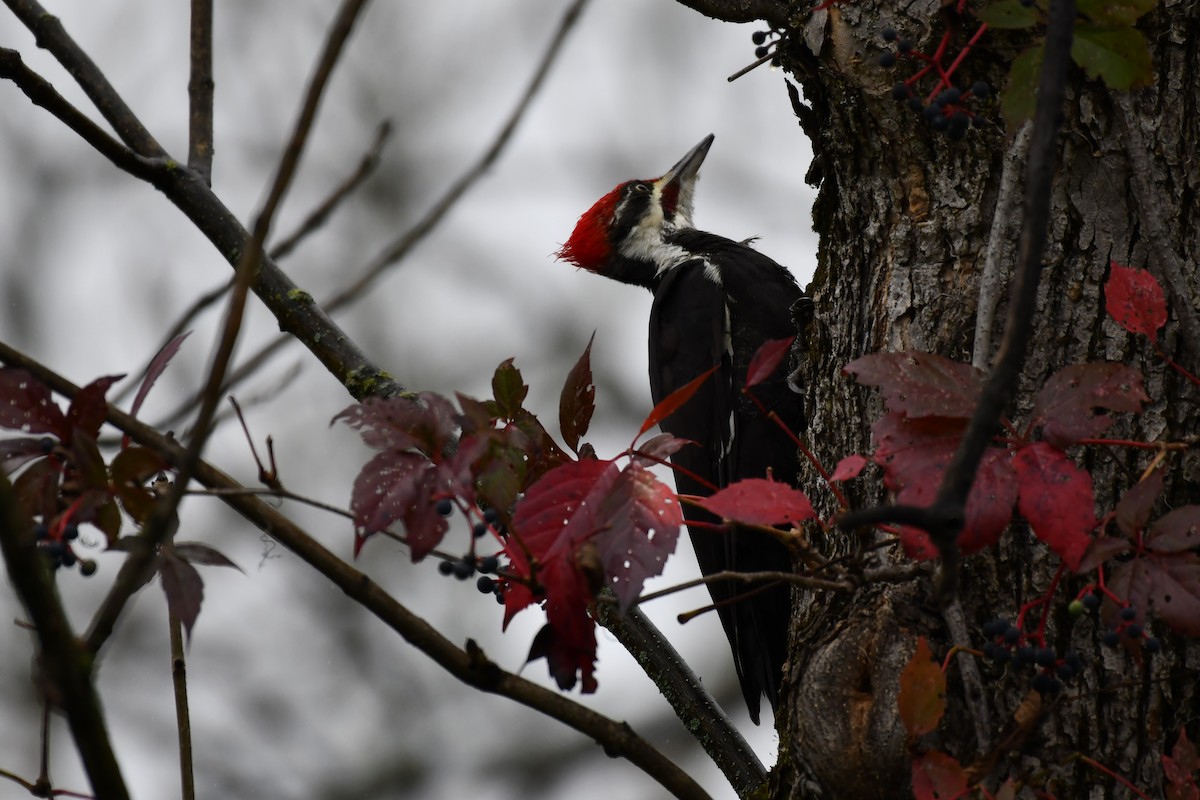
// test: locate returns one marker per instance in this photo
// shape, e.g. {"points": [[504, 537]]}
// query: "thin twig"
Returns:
{"points": [[991, 279], [806, 581], [470, 666], [394, 252], [163, 519], [200, 91], [944, 519], [317, 217], [183, 721]]}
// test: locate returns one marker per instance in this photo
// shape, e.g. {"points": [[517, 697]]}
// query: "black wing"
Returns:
{"points": [[716, 311]]}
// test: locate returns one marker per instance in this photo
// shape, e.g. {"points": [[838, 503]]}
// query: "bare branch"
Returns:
{"points": [[772, 11], [200, 91], [183, 722], [317, 217], [470, 666], [52, 37]]}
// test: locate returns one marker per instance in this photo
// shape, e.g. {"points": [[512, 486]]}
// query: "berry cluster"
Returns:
{"points": [[468, 564], [1008, 645], [1123, 626], [945, 109], [56, 547]]}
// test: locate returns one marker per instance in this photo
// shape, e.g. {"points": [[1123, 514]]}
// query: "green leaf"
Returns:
{"points": [[1116, 13], [1010, 14], [1118, 55], [1021, 96], [509, 389]]}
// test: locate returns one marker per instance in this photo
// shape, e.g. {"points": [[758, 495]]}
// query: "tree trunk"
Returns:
{"points": [[905, 216]]}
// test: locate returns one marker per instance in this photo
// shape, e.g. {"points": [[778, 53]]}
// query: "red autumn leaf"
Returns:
{"points": [[1182, 770], [157, 365], [14, 453], [1057, 499], [914, 455], [1175, 532], [88, 408], [759, 501], [938, 776], [848, 468], [578, 399], [766, 360], [1066, 406], [1166, 583], [922, 696], [183, 587], [639, 527], [1133, 510], [197, 553], [26, 405], [920, 384], [671, 403], [424, 422], [657, 449], [1134, 298], [1101, 550]]}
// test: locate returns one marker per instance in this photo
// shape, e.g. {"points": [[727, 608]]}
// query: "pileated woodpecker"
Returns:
{"points": [[715, 302]]}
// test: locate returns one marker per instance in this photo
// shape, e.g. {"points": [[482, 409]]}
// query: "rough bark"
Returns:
{"points": [[904, 216]]}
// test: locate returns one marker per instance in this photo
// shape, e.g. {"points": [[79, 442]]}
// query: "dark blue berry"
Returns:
{"points": [[1045, 657], [71, 533], [887, 60], [940, 123], [995, 627], [445, 567], [1092, 601], [888, 34], [1012, 634], [445, 506], [1152, 645], [489, 564], [1041, 683], [46, 445], [480, 529], [900, 92], [1129, 614], [1134, 631], [490, 515], [1066, 671], [904, 46], [761, 52], [931, 113], [1110, 638], [68, 557], [981, 89], [758, 37], [485, 584], [463, 568], [87, 567], [41, 531]]}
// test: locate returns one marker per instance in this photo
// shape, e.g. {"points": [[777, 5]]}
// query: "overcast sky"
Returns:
{"points": [[297, 693]]}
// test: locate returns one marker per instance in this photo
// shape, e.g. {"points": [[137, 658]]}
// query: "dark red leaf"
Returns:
{"points": [[129, 471], [14, 453], [1133, 510], [671, 403], [639, 527], [920, 384], [1176, 531], [1168, 584], [425, 422], [107, 519], [938, 776], [1134, 298], [399, 486], [26, 405], [509, 389], [1182, 769], [1057, 499], [658, 449], [37, 488], [88, 408], [1066, 405], [1101, 550], [848, 468], [759, 501], [90, 470], [183, 587], [157, 365], [915, 453], [578, 400], [922, 695], [197, 553], [766, 360]]}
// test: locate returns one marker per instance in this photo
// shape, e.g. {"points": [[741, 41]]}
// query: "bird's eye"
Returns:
{"points": [[640, 188]]}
